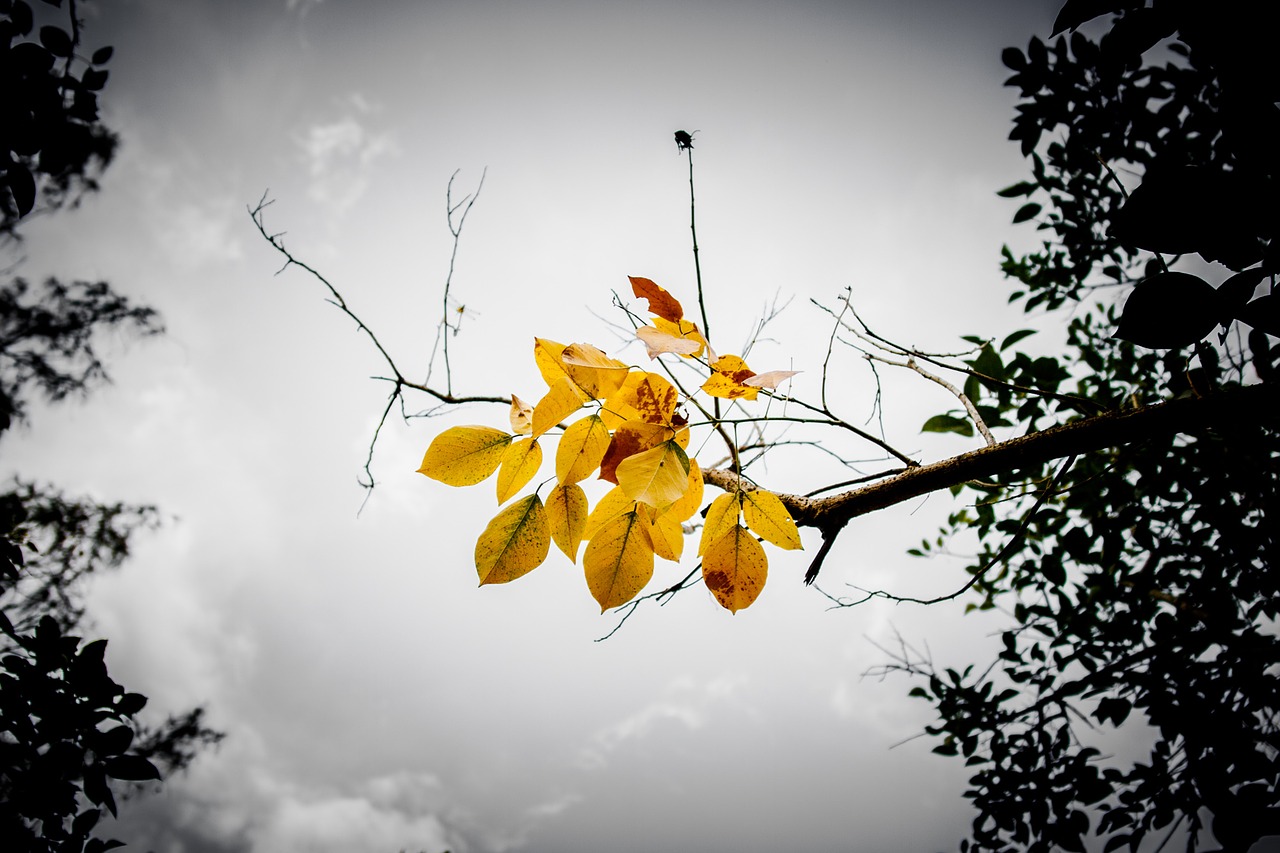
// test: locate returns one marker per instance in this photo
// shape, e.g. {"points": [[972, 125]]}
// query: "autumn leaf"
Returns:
{"points": [[616, 410], [593, 371], [667, 537], [514, 543], [546, 354], [465, 455], [618, 561], [581, 448], [685, 330], [521, 416], [658, 476], [567, 516], [657, 342], [691, 501], [629, 439], [562, 400], [735, 568], [661, 303], [769, 519], [771, 380], [614, 503], [727, 381], [722, 516], [520, 462]]}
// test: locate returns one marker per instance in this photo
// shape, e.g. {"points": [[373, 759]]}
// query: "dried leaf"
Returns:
{"points": [[629, 439], [772, 379], [521, 416], [661, 303], [657, 343], [728, 378]]}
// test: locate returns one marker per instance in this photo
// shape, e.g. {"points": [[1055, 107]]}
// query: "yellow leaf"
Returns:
{"points": [[618, 561], [465, 455], [661, 303], [735, 568], [686, 330], [593, 371], [667, 537], [769, 519], [722, 516], [521, 461], [546, 354], [657, 342], [614, 503], [515, 542], [730, 372], [521, 416], [655, 399], [658, 477], [562, 400], [629, 439], [691, 502], [581, 448], [567, 514]]}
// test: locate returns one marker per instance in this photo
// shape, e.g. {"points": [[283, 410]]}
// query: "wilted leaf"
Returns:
{"points": [[514, 543], [593, 371], [567, 517], [618, 561], [520, 462], [629, 439], [661, 303], [686, 330], [521, 416], [948, 423], [722, 516], [1168, 310], [770, 379], [465, 455], [727, 380], [657, 343], [658, 476], [562, 400], [735, 568], [769, 519], [581, 448]]}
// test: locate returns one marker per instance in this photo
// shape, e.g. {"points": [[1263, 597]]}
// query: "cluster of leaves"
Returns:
{"points": [[1148, 586], [636, 436], [51, 140], [1192, 127]]}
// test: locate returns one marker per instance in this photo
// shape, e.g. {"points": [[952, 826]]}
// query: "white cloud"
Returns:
{"points": [[339, 155]]}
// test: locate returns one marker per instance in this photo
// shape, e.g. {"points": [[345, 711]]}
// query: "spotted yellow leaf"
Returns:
{"points": [[581, 449], [769, 519], [722, 516], [734, 568], [593, 371], [514, 543], [465, 455], [521, 461], [618, 561], [567, 516], [729, 373]]}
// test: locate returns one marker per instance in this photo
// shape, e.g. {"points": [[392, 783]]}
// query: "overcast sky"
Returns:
{"points": [[375, 699]]}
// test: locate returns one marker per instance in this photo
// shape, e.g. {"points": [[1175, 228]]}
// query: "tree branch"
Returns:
{"points": [[1254, 403]]}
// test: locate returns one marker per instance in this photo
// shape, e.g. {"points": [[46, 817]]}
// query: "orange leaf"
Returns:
{"points": [[661, 303], [735, 568]]}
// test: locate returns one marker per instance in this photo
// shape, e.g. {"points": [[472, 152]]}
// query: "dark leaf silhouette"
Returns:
{"points": [[1169, 310]]}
